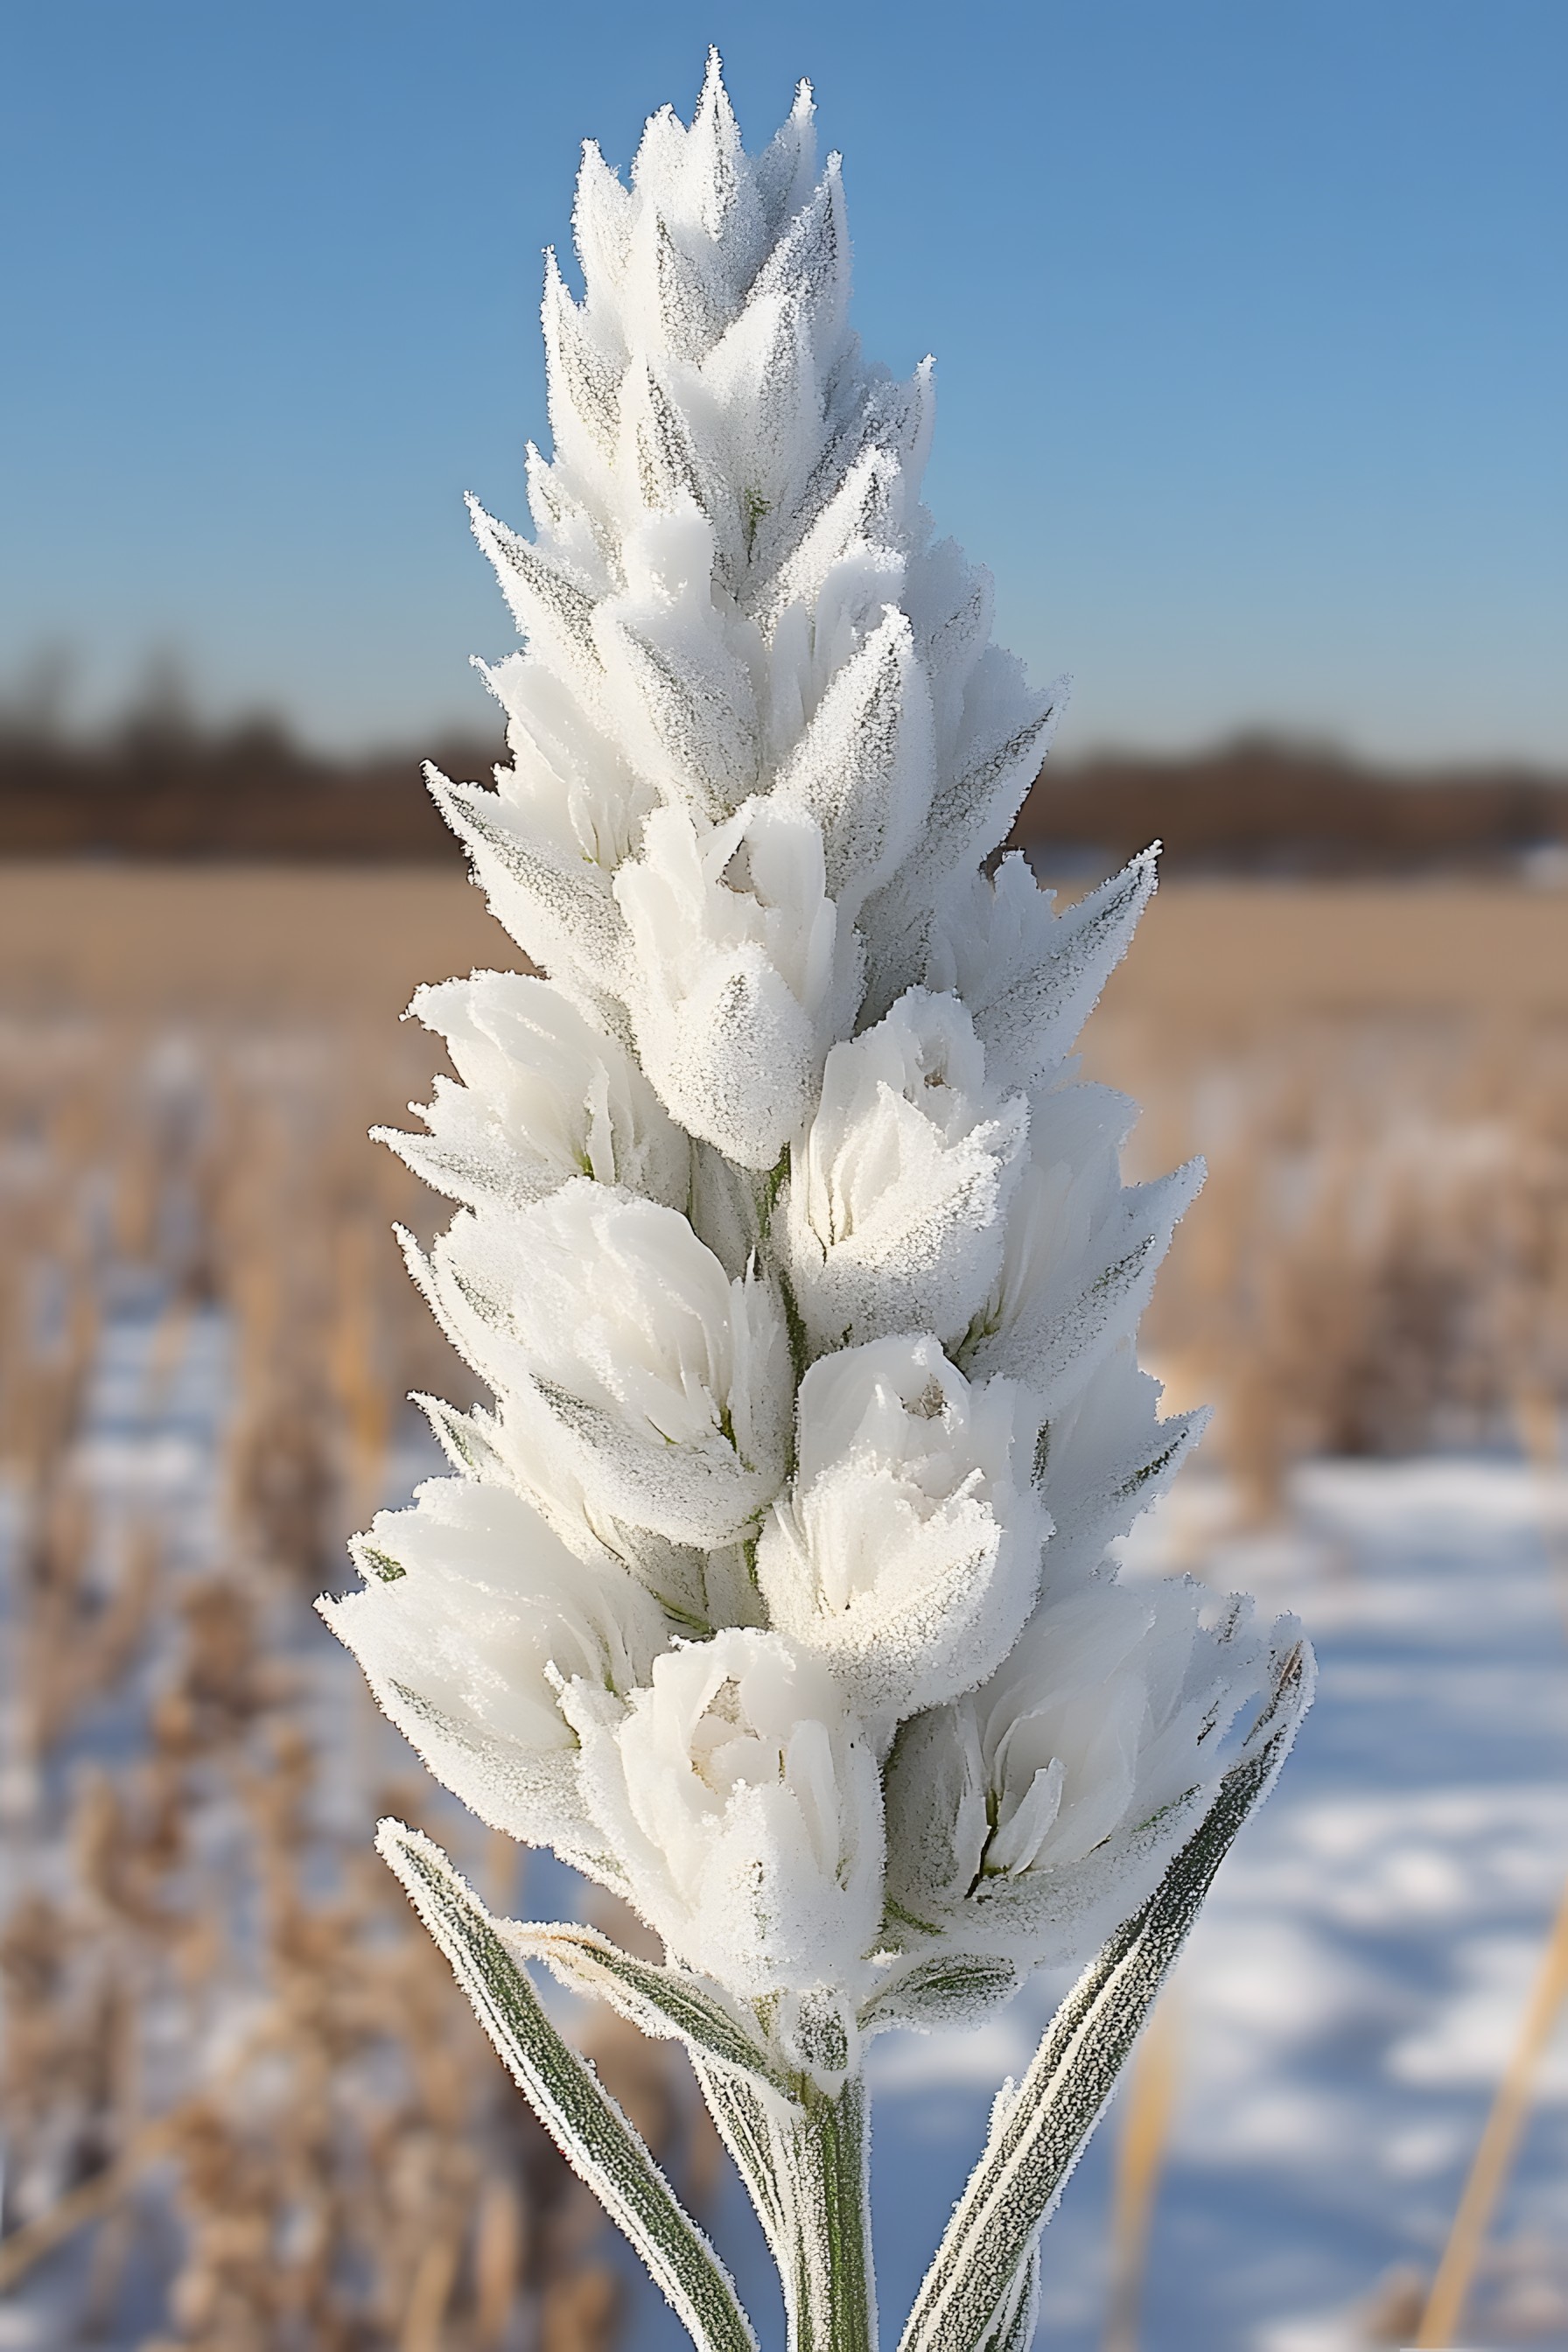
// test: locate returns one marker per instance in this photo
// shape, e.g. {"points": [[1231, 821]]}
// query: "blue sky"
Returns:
{"points": [[1249, 318]]}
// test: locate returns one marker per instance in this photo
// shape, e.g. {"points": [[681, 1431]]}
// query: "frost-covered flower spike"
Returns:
{"points": [[774, 1589]]}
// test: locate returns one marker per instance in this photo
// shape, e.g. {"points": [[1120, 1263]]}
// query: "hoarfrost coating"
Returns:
{"points": [[774, 1589], [761, 753]]}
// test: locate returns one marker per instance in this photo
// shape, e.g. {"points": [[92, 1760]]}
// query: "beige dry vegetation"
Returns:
{"points": [[244, 2106], [1378, 1081], [240, 2093]]}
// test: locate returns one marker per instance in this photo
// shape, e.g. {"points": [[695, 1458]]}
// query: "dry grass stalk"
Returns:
{"points": [[1445, 2310], [1149, 2102], [1379, 1260], [354, 2172]]}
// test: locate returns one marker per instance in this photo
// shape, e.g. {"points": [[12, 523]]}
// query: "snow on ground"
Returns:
{"points": [[1350, 1997]]}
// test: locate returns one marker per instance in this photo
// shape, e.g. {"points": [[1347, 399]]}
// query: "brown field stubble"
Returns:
{"points": [[189, 1059]]}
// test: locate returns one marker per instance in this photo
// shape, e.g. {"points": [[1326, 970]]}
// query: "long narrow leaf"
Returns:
{"points": [[658, 2000], [745, 2116], [1037, 2137], [1012, 2326], [578, 2113]]}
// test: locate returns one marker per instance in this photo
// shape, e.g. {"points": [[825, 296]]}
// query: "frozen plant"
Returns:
{"points": [[774, 1590]]}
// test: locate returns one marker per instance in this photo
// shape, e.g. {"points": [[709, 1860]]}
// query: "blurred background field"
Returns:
{"points": [[242, 2107]]}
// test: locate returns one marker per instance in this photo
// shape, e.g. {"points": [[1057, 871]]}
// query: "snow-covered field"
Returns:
{"points": [[1350, 1997], [1349, 2001]]}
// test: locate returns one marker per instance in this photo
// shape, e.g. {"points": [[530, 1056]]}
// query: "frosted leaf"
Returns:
{"points": [[716, 193], [903, 1556], [472, 1616], [667, 1383], [691, 302], [724, 1206], [810, 265], [1104, 1461], [1033, 1815], [601, 227], [762, 376], [785, 171], [863, 767], [1081, 1250], [1002, 739], [680, 671], [560, 909], [894, 1216], [663, 460], [1030, 976], [873, 412], [864, 514], [546, 1096], [742, 1807], [739, 974], [583, 378], [552, 606], [949, 603]]}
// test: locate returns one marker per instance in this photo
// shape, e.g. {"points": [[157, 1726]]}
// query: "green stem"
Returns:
{"points": [[807, 2169]]}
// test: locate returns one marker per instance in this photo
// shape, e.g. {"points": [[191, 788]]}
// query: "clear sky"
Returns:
{"points": [[1249, 316]]}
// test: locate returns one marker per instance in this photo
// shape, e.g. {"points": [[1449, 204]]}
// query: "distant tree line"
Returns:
{"points": [[1264, 805], [160, 785]]}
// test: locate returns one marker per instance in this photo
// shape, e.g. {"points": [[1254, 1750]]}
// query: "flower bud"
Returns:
{"points": [[903, 1556], [546, 1095], [738, 974], [473, 1615], [895, 1213], [1037, 1811], [743, 1809], [667, 1383]]}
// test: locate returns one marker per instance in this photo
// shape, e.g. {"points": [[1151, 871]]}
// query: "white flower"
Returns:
{"points": [[739, 976], [520, 1445], [473, 1616], [667, 1383], [546, 1095], [894, 1219], [903, 1556], [744, 1810], [1036, 1813]]}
